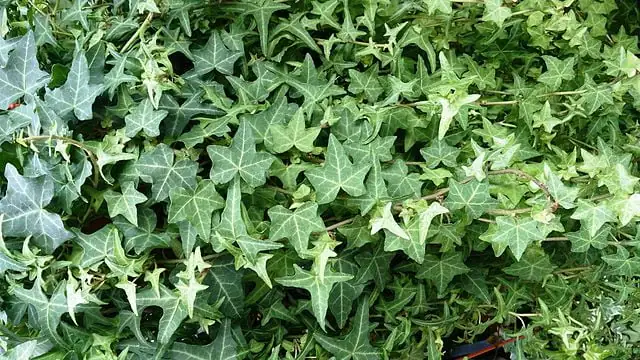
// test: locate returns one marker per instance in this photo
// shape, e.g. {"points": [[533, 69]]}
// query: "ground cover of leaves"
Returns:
{"points": [[347, 179]]}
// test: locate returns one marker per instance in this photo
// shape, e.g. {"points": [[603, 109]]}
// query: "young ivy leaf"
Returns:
{"points": [[337, 173], [388, 222], [240, 158], [355, 345], [296, 226], [24, 213], [144, 117], [125, 203], [281, 138], [76, 94], [158, 168], [196, 206], [319, 290], [22, 75]]}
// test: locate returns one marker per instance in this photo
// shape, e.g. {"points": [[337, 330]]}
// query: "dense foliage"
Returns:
{"points": [[357, 179]]}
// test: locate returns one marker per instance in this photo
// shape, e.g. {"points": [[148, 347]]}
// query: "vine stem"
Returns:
{"points": [[76, 143], [339, 224], [509, 211], [280, 190], [441, 192], [523, 174], [575, 269], [556, 239], [179, 261], [136, 35]]}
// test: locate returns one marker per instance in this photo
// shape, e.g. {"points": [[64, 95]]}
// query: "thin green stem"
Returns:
{"points": [[280, 190], [76, 143], [339, 224], [561, 93], [495, 103], [138, 33], [509, 211], [556, 239], [575, 269], [523, 174], [485, 220]]}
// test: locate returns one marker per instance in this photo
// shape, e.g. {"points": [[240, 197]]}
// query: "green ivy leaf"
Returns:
{"points": [[240, 158], [174, 311], [281, 138], [594, 95], [319, 289], [582, 240], [261, 11], [76, 94], [96, 246], [473, 196], [337, 173], [515, 233], [592, 217], [125, 203], [116, 76], [557, 70], [22, 75], [158, 168], [440, 152], [355, 345], [444, 6], [24, 214], [220, 53], [442, 270], [621, 263], [366, 83], [224, 347], [225, 285], [48, 310], [495, 12], [144, 118], [533, 266], [196, 206], [296, 226]]}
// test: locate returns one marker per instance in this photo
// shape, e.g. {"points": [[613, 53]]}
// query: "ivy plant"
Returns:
{"points": [[319, 179]]}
